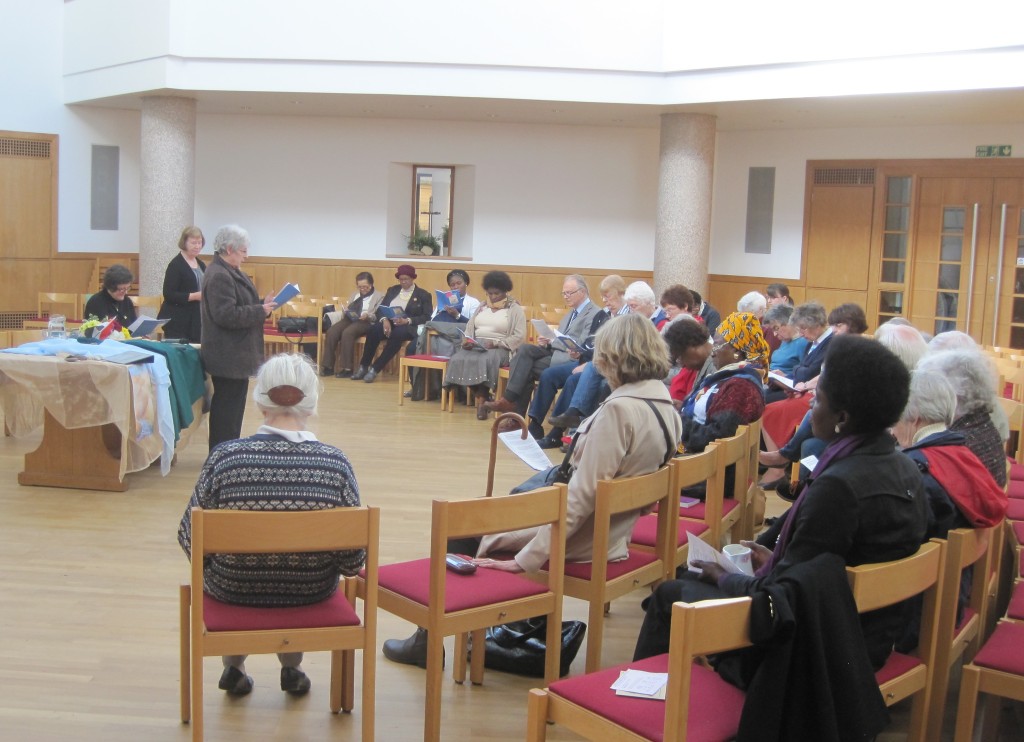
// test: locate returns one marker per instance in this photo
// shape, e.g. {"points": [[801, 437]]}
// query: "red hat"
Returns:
{"points": [[405, 270]]}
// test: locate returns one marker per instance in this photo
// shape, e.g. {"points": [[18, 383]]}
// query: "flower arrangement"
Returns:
{"points": [[93, 327]]}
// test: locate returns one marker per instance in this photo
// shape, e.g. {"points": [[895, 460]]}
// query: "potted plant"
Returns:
{"points": [[424, 243]]}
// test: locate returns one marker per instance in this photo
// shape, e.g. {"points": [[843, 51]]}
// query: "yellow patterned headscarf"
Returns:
{"points": [[742, 330]]}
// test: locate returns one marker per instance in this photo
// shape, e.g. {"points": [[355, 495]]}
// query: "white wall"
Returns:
{"points": [[788, 152], [325, 187]]}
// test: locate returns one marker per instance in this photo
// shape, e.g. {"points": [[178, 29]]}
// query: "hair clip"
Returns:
{"points": [[286, 395]]}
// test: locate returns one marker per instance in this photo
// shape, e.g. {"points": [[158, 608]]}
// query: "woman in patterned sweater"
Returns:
{"points": [[282, 467]]}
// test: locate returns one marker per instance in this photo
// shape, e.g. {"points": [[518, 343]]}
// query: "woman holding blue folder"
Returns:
{"points": [[403, 309]]}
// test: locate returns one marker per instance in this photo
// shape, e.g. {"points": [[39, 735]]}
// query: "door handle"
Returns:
{"points": [[970, 275], [999, 274]]}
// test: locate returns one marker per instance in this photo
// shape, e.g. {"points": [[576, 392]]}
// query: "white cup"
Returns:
{"points": [[739, 555]]}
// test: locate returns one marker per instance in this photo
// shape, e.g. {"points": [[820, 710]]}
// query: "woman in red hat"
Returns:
{"points": [[403, 309]]}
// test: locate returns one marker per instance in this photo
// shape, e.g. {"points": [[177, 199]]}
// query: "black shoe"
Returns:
{"points": [[549, 442], [235, 682], [294, 681], [343, 373], [359, 374], [324, 371], [571, 418], [411, 651], [785, 490], [536, 429]]}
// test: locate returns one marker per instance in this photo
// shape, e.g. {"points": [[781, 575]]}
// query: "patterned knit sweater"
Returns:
{"points": [[267, 472]]}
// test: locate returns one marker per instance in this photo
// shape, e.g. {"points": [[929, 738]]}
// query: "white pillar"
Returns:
{"points": [[167, 201], [683, 234]]}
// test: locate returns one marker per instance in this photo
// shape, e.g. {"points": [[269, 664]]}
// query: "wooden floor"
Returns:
{"points": [[89, 616]]}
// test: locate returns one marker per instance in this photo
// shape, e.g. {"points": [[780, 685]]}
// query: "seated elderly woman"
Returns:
{"points": [[113, 302], [811, 323], [410, 306], [865, 501], [632, 433], [961, 492], [677, 301], [494, 332], [350, 325], [790, 347], [732, 395], [971, 375], [282, 467]]}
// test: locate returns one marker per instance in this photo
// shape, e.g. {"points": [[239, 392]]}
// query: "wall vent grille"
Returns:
{"points": [[14, 320], [844, 176], [24, 148]]}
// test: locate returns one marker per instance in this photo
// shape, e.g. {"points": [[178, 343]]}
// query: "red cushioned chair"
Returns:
{"points": [[997, 670], [884, 584], [686, 472], [699, 705], [600, 581], [722, 514], [966, 548], [210, 627], [446, 603]]}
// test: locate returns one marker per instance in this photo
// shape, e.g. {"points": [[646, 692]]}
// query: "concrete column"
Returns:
{"points": [[683, 235], [168, 171]]}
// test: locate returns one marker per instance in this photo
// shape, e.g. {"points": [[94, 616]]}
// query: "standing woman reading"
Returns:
{"points": [[183, 288]]}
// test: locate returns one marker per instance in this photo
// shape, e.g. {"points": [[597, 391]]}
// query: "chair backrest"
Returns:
{"points": [[628, 494], [736, 451], [1015, 416], [51, 302], [147, 305], [487, 515], [271, 532], [698, 629], [693, 469], [883, 584]]}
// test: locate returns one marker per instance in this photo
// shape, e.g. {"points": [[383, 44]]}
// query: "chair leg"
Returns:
{"points": [[185, 645], [991, 709], [537, 716], [197, 694], [595, 635], [476, 666], [369, 689], [967, 706], [402, 373], [435, 675], [461, 651]]}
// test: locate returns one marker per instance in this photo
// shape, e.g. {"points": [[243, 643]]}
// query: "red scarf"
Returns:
{"points": [[968, 483]]}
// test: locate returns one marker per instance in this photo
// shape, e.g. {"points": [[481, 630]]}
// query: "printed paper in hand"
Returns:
{"points": [[702, 551], [543, 329], [809, 462], [145, 326], [640, 684], [781, 380], [528, 450]]}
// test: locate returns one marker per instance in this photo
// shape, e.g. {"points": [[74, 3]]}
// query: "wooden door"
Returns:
{"points": [[1004, 315], [950, 263]]}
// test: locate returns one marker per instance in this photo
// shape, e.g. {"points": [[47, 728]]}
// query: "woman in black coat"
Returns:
{"points": [[416, 306], [183, 288]]}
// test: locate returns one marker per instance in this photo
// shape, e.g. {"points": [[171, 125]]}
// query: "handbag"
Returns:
{"points": [[519, 647], [296, 325]]}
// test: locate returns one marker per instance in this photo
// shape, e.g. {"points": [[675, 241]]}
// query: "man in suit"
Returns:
{"points": [[530, 361]]}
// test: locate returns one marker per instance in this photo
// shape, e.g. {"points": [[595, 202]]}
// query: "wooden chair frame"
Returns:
{"points": [[247, 532], [730, 451], [966, 547], [997, 685], [297, 308], [884, 584], [478, 517], [698, 629], [615, 496], [49, 299]]}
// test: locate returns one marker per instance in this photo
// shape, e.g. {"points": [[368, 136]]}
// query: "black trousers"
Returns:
{"points": [[654, 633], [227, 408], [399, 334]]}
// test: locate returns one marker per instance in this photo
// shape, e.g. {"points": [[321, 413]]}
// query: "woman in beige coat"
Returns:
{"points": [[623, 438]]}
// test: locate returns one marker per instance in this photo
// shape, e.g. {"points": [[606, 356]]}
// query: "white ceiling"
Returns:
{"points": [[1001, 106]]}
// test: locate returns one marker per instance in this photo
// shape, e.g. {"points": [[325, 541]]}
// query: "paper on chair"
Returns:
{"points": [[640, 684], [527, 450], [698, 549]]}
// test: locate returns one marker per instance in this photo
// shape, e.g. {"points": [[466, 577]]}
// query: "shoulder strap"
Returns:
{"points": [[670, 446]]}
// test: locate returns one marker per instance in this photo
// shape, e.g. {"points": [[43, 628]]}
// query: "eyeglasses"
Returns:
{"points": [[567, 294], [716, 348]]}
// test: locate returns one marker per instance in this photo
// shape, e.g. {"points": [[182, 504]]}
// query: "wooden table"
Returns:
{"points": [[94, 430]]}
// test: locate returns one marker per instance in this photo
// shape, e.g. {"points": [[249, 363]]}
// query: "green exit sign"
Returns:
{"points": [[993, 150]]}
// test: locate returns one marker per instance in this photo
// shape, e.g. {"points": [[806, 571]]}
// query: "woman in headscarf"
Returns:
{"points": [[732, 395]]}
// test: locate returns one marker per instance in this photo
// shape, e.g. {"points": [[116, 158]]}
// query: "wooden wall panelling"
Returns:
{"points": [[837, 249], [28, 195], [23, 280], [72, 274]]}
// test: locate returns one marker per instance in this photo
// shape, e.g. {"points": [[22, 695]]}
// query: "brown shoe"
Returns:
{"points": [[500, 405], [773, 459], [482, 413]]}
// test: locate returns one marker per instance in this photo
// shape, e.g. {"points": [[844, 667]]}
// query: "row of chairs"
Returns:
{"points": [[425, 594]]}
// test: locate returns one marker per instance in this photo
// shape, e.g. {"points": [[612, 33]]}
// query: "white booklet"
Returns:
{"points": [[528, 450], [145, 326], [543, 329], [640, 684], [702, 551], [783, 381]]}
